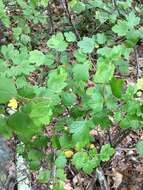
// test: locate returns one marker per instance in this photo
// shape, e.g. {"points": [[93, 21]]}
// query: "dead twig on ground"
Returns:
{"points": [[90, 186], [102, 180]]}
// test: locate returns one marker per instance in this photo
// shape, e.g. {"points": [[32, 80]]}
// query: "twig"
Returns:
{"points": [[66, 8], [102, 180], [53, 169], [20, 180], [116, 6], [137, 63], [109, 137], [90, 186], [72, 172], [92, 61], [51, 19]]}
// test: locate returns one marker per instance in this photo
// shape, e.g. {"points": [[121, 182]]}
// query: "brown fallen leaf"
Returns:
{"points": [[117, 178], [67, 185]]}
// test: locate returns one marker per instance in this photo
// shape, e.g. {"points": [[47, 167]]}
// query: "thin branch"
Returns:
{"points": [[21, 180], [102, 180], [116, 6], [137, 64], [109, 137], [53, 169], [90, 186], [66, 8], [51, 19]]}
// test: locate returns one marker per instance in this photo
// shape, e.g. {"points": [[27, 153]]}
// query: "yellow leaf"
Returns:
{"points": [[92, 146], [13, 103], [66, 128], [96, 46], [68, 153]]}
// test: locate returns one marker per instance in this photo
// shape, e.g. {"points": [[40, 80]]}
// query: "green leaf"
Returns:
{"points": [[39, 111], [121, 28], [37, 57], [34, 165], [43, 176], [140, 84], [57, 42], [87, 168], [51, 95], [70, 36], [95, 99], [104, 72], [81, 71], [7, 90], [26, 92], [3, 17], [80, 159], [3, 67], [56, 81], [5, 130], [58, 186], [68, 98], [22, 125], [102, 16], [80, 56], [55, 141], [139, 147], [105, 51], [65, 141], [117, 86], [86, 45], [17, 31], [44, 3], [60, 174], [131, 90], [123, 66], [49, 59], [101, 38], [78, 126], [72, 3], [91, 164], [96, 4], [132, 20], [25, 39], [106, 152], [60, 161], [78, 7], [102, 119], [21, 82], [80, 131], [34, 155], [117, 117], [9, 52]]}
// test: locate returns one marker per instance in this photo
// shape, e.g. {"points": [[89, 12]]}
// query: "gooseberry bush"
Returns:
{"points": [[73, 83]]}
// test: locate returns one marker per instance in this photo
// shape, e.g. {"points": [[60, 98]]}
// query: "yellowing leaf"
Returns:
{"points": [[13, 103], [66, 128], [96, 46], [92, 146], [68, 153], [117, 178]]}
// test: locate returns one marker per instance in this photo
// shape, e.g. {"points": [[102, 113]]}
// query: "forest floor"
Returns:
{"points": [[125, 170]]}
